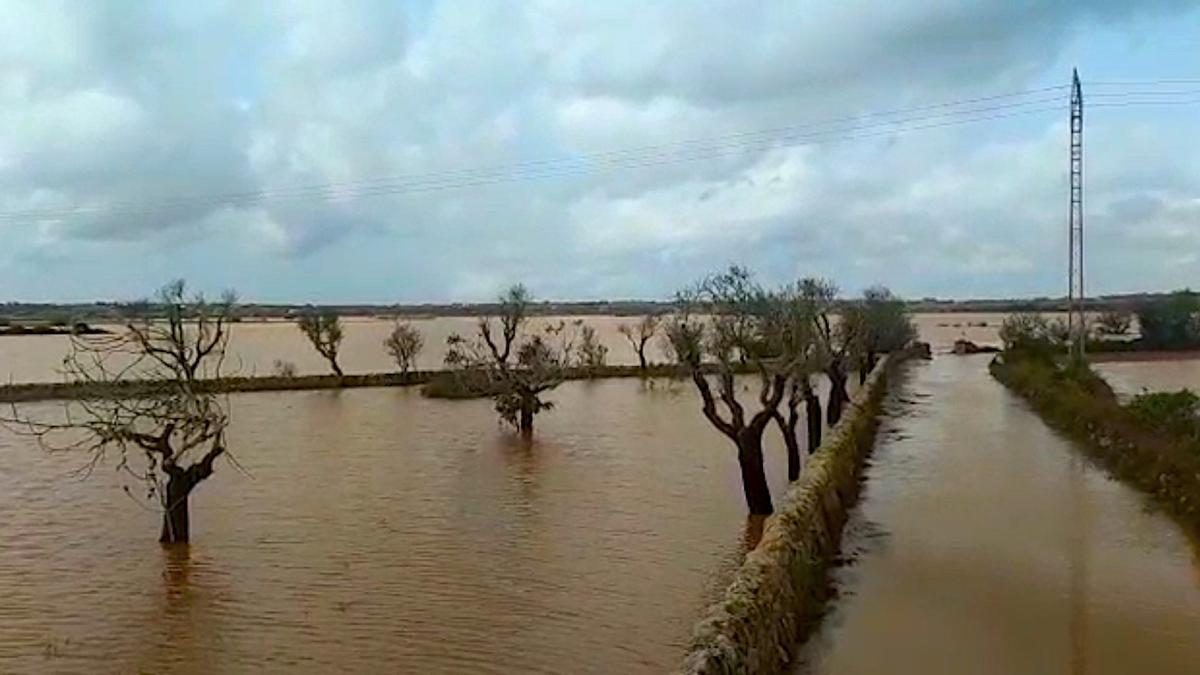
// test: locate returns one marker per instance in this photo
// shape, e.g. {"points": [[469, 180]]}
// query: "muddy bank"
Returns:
{"points": [[758, 625]]}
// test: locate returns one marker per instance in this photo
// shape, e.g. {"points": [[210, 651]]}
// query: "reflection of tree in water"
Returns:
{"points": [[523, 454], [185, 627]]}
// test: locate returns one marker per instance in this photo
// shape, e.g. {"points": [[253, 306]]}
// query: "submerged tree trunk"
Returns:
{"points": [[176, 526], [837, 396], [788, 428], [812, 411], [754, 477], [793, 446], [525, 424]]}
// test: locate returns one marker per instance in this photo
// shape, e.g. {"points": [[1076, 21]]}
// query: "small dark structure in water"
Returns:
{"points": [[962, 346]]}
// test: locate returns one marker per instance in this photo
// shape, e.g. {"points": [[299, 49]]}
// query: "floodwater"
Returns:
{"points": [[1129, 378], [985, 544], [255, 346], [377, 531]]}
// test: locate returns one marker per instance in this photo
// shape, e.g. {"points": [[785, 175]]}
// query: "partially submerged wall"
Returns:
{"points": [[17, 393], [757, 626]]}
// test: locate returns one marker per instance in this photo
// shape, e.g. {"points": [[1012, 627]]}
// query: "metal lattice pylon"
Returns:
{"points": [[1076, 320]]}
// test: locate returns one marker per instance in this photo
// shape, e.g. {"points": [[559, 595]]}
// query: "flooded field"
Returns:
{"points": [[1129, 378], [377, 527], [255, 347], [984, 544], [374, 526]]}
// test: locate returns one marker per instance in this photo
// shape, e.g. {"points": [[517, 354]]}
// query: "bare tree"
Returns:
{"points": [[1114, 322], [640, 335], [725, 324], [149, 395], [404, 343], [592, 354], [324, 330], [514, 368]]}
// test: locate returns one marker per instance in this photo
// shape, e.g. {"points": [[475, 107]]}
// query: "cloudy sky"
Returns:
{"points": [[429, 151]]}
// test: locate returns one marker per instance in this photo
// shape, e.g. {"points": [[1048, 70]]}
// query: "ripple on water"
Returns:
{"points": [[380, 530]]}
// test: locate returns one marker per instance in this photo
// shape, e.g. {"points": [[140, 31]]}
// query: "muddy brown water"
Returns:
{"points": [[375, 530], [378, 531], [984, 544], [255, 346], [1129, 378]]}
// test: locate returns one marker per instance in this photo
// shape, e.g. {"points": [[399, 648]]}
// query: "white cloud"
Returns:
{"points": [[105, 106]]}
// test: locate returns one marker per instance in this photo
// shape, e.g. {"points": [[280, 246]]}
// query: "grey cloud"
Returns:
{"points": [[115, 105]]}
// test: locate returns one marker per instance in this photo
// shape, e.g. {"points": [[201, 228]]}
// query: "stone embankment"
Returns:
{"points": [[781, 586]]}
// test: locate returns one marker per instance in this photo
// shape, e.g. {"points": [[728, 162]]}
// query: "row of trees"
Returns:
{"points": [[1167, 322], [153, 406], [725, 326], [728, 324], [324, 331]]}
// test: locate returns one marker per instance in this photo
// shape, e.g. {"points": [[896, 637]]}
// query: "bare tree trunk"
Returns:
{"points": [[176, 526], [337, 370], [867, 366], [793, 446], [790, 441], [837, 395], [526, 421], [642, 357], [812, 410], [754, 477]]}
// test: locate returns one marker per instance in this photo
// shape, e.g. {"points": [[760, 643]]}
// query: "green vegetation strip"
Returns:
{"points": [[1138, 443], [781, 586]]}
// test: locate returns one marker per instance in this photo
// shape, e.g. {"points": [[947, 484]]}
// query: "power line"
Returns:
{"points": [[845, 128], [564, 169], [473, 173]]}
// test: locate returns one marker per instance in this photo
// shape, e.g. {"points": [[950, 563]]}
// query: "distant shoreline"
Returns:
{"points": [[48, 391], [118, 312], [43, 329]]}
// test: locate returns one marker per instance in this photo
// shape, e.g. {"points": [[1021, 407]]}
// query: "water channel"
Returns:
{"points": [[984, 543]]}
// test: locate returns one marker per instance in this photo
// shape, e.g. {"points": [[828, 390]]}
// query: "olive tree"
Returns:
{"points": [[1031, 334], [837, 340], [640, 334], [514, 367], [324, 330], [883, 326], [404, 343], [1114, 322], [725, 324], [792, 322], [149, 399], [592, 354]]}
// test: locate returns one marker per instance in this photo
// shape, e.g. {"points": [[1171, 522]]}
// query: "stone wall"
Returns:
{"points": [[758, 625]]}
